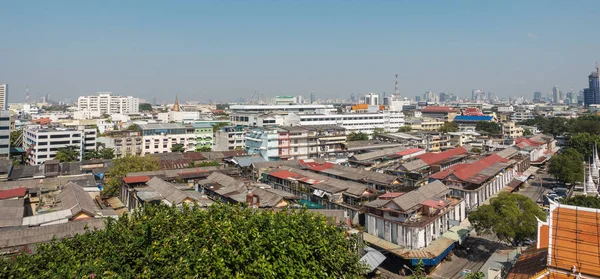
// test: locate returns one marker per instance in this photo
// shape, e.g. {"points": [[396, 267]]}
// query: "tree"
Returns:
{"points": [[527, 132], [222, 241], [90, 155], [476, 150], [567, 166], [378, 131], [14, 137], [133, 127], [357, 136], [218, 126], [177, 148], [204, 149], [106, 153], [584, 143], [419, 271], [124, 165], [449, 127], [489, 127], [145, 107], [69, 153], [511, 217], [584, 201], [405, 129]]}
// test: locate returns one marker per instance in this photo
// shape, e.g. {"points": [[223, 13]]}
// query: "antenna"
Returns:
{"points": [[396, 89]]}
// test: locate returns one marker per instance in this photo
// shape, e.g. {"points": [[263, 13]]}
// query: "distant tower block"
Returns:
{"points": [[396, 89], [27, 94]]}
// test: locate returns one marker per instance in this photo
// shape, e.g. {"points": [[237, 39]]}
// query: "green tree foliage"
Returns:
{"points": [[567, 166], [177, 148], [585, 201], [449, 127], [223, 241], [476, 150], [90, 155], [218, 126], [67, 154], [378, 131], [145, 107], [204, 149], [204, 164], [511, 217], [489, 127], [584, 143], [419, 271], [527, 132], [476, 275], [558, 125], [405, 129], [357, 136], [124, 165], [104, 153], [56, 108], [14, 137]]}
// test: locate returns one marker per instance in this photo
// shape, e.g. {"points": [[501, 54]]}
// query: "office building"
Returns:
{"points": [[123, 142], [556, 95], [591, 95], [537, 97], [41, 144], [3, 96], [106, 103], [230, 138], [372, 99]]}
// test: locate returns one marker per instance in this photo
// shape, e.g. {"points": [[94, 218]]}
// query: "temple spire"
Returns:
{"points": [[176, 105]]}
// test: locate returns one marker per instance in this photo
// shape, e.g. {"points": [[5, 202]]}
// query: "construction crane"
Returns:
{"points": [[252, 97]]}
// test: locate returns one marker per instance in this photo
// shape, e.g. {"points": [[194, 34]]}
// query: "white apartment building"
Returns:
{"points": [[41, 144], [352, 122], [4, 133], [105, 102], [282, 108], [160, 138], [3, 96]]}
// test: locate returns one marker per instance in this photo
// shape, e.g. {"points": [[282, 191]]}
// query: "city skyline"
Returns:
{"points": [[213, 51]]}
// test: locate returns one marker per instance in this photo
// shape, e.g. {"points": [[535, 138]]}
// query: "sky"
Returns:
{"points": [[226, 50]]}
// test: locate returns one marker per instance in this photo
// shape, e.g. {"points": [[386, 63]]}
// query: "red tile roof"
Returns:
{"points": [[13, 193], [438, 109], [472, 112], [408, 151], [527, 142], [431, 158], [316, 166], [136, 179], [433, 203], [465, 171]]}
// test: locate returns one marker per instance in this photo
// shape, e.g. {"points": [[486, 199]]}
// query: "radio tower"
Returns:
{"points": [[27, 94], [397, 90]]}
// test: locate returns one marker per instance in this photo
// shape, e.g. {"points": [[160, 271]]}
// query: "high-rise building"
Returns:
{"points": [[537, 97], [556, 95], [43, 143], [372, 99], [475, 94], [3, 96], [5, 128], [591, 95], [105, 102]]}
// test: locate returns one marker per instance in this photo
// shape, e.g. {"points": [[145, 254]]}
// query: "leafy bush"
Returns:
{"points": [[222, 241]]}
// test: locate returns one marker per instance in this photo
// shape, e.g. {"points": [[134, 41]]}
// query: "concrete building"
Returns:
{"points": [[511, 130], [41, 144], [440, 113], [160, 138], [5, 128], [521, 115], [105, 102], [352, 122], [204, 136], [311, 108], [230, 138], [278, 143], [3, 96], [415, 219], [123, 142], [371, 99]]}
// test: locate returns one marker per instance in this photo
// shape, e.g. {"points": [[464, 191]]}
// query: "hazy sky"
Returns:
{"points": [[224, 50]]}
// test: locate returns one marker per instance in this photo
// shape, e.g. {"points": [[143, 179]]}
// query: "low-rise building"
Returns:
{"points": [[204, 136], [41, 144], [445, 114], [511, 130], [123, 142], [415, 219], [230, 138], [469, 123], [160, 138]]}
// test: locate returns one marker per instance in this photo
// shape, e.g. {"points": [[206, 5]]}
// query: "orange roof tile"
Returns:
{"points": [[530, 263]]}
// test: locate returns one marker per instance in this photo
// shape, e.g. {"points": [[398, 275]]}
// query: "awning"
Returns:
{"points": [[457, 233], [527, 173], [372, 258]]}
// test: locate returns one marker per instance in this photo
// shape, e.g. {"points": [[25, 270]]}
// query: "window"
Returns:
{"points": [[295, 149]]}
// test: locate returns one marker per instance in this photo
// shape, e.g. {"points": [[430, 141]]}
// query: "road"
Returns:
{"points": [[539, 186]]}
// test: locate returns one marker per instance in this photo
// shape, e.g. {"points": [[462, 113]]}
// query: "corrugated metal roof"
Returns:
{"points": [[169, 192], [413, 198], [25, 235], [74, 198], [13, 193]]}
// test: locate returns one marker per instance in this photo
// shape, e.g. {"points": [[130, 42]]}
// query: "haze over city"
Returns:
{"points": [[223, 52]]}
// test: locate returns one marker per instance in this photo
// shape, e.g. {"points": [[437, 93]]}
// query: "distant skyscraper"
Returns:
{"points": [[3, 96], [475, 94], [372, 99], [443, 97], [555, 94], [591, 95], [537, 97]]}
